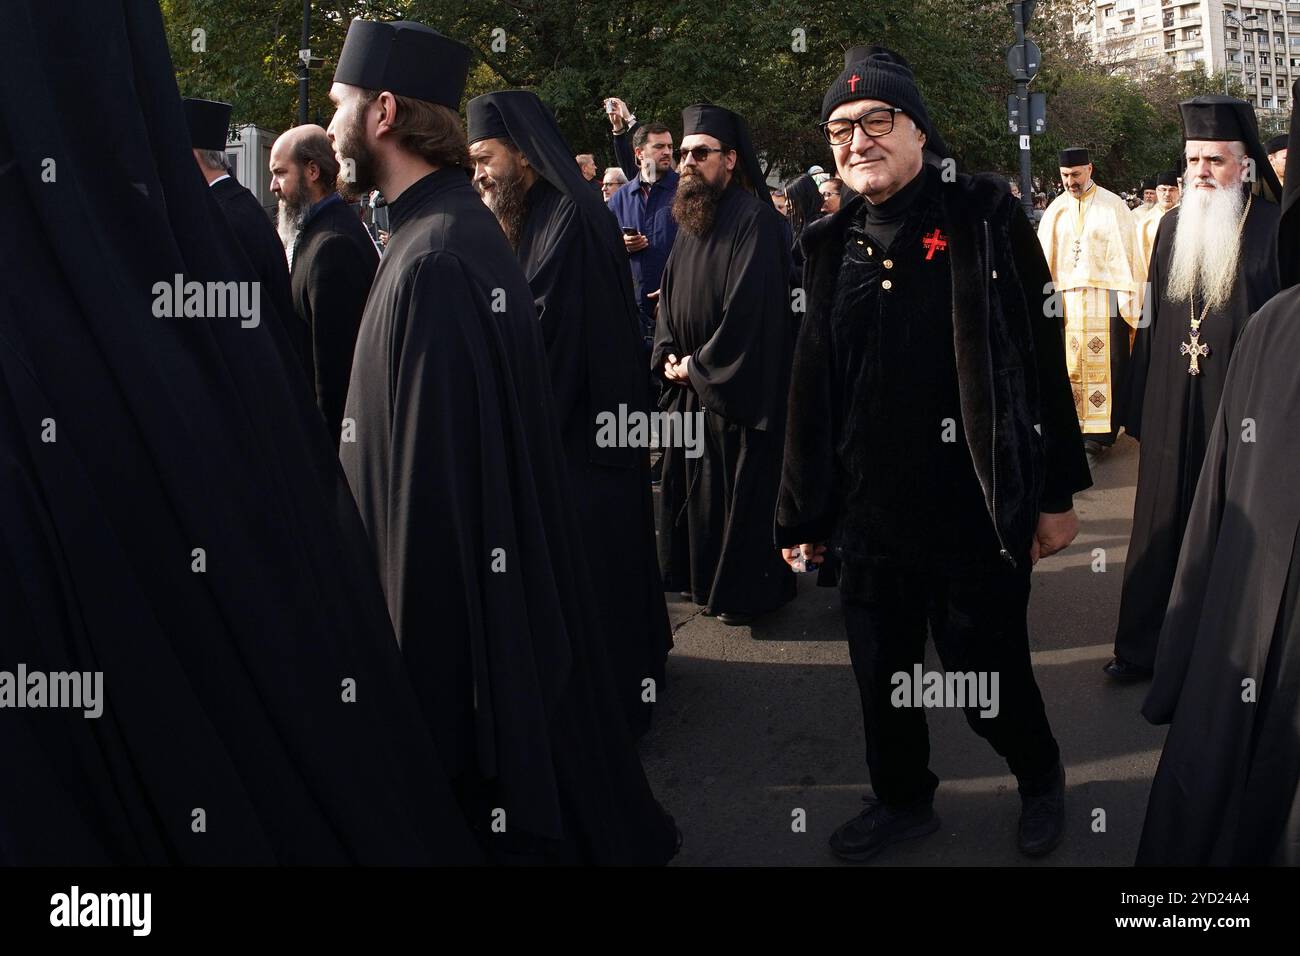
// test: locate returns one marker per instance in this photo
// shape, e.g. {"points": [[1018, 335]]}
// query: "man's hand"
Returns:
{"points": [[634, 243], [618, 113], [813, 553], [1054, 533], [677, 372]]}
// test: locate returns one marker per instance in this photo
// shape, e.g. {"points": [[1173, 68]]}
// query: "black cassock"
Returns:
{"points": [[1170, 411], [725, 302], [593, 347], [260, 242], [334, 263], [1226, 789], [458, 471], [130, 441]]}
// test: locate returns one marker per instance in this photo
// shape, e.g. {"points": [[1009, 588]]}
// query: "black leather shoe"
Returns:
{"points": [[1126, 672], [736, 620], [879, 826], [1042, 817]]}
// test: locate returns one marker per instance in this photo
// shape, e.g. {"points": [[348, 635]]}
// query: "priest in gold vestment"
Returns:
{"points": [[1090, 241], [1167, 194]]}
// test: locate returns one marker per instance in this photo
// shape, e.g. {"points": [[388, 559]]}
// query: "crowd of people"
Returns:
{"points": [[377, 566]]}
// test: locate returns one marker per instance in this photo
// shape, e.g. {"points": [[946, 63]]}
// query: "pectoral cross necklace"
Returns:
{"points": [[1078, 233], [1195, 349]]}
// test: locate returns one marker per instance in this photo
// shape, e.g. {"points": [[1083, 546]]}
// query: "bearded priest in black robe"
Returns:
{"points": [[1227, 678], [573, 256], [723, 343], [458, 471], [1213, 265]]}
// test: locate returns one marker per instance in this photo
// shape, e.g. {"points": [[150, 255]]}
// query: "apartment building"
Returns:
{"points": [[1256, 41]]}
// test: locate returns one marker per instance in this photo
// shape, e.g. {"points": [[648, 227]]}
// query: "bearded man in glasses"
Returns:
{"points": [[722, 346], [932, 446]]}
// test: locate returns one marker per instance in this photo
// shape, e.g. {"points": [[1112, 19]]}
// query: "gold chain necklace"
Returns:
{"points": [[1196, 349]]}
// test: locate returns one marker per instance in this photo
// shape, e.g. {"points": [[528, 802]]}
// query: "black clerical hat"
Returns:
{"points": [[1167, 178], [1215, 117], [405, 58], [209, 123], [1148, 184], [730, 129], [1075, 156], [1275, 144]]}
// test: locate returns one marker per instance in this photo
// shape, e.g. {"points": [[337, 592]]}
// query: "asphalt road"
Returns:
{"points": [[756, 723]]}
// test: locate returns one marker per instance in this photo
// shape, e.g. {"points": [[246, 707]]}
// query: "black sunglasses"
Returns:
{"points": [[701, 153], [875, 123]]}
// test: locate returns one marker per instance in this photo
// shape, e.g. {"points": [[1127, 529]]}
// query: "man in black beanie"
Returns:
{"points": [[932, 446]]}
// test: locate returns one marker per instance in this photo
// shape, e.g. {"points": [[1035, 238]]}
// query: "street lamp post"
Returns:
{"points": [[1244, 28]]}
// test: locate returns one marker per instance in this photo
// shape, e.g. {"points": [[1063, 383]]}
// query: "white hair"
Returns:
{"points": [[1207, 242], [214, 159]]}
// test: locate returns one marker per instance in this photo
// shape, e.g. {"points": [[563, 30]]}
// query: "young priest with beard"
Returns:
{"points": [[722, 347], [932, 444], [461, 481], [572, 255], [1213, 265]]}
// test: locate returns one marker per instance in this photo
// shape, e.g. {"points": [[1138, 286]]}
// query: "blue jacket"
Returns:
{"points": [[653, 219]]}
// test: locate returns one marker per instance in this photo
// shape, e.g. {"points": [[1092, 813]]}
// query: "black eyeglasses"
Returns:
{"points": [[875, 123], [701, 153]]}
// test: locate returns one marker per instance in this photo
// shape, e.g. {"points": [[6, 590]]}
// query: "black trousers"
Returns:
{"points": [[978, 620]]}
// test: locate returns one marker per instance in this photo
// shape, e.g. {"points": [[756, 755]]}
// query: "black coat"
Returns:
{"points": [[459, 474], [1225, 793], [258, 238], [334, 263], [1017, 411], [222, 686]]}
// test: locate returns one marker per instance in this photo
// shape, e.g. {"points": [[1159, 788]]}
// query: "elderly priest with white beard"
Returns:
{"points": [[1213, 265]]}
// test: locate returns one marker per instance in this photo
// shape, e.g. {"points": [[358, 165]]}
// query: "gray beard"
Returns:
{"points": [[289, 223], [1207, 246]]}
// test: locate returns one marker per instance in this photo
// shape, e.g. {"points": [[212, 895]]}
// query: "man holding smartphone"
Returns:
{"points": [[643, 207]]}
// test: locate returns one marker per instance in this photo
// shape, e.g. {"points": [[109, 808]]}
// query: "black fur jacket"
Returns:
{"points": [[1017, 411]]}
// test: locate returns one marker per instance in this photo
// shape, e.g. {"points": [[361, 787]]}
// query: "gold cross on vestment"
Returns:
{"points": [[1078, 251], [1195, 350]]}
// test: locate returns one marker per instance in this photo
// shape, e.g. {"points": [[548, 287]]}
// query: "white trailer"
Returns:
{"points": [[249, 152]]}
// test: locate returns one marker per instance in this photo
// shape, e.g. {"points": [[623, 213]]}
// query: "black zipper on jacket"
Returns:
{"points": [[993, 386]]}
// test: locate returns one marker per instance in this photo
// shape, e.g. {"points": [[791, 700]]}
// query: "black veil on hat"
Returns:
{"points": [[208, 122], [1218, 117], [405, 58], [521, 117], [1288, 227], [730, 129]]}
